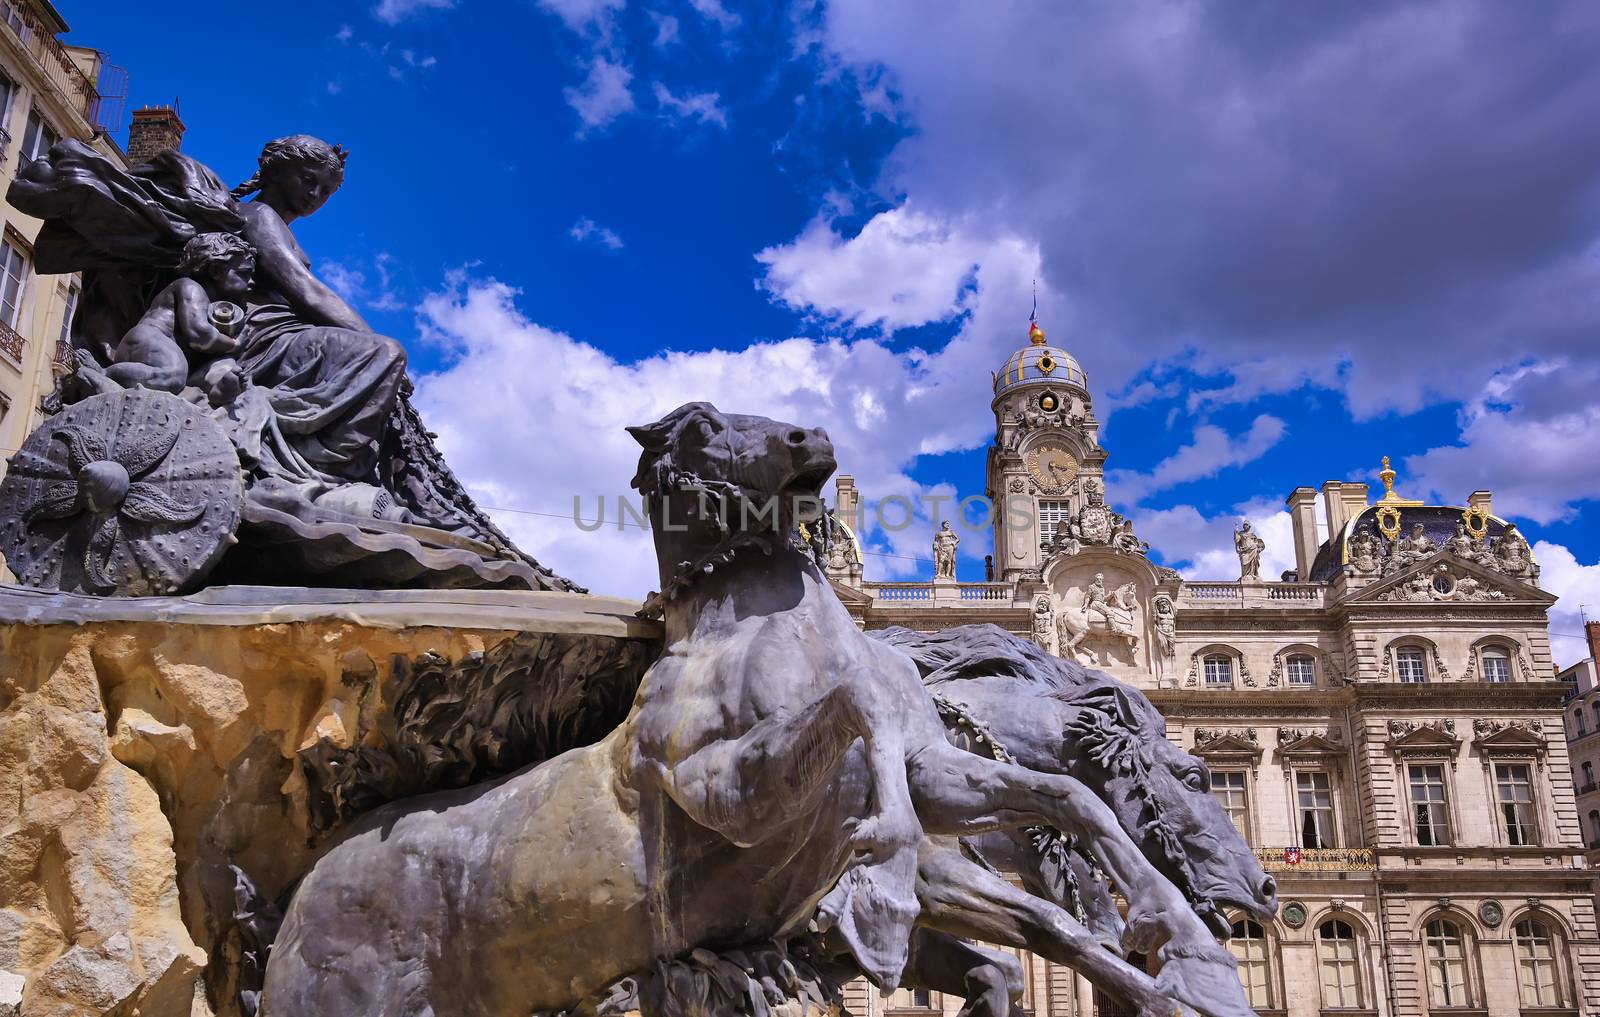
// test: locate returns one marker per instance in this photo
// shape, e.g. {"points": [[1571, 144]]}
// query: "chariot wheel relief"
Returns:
{"points": [[132, 493]]}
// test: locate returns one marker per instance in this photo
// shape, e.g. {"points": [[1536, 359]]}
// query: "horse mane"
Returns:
{"points": [[971, 652]]}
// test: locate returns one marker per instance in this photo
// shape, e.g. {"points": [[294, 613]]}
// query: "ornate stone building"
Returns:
{"points": [[1383, 723], [1582, 719], [48, 91]]}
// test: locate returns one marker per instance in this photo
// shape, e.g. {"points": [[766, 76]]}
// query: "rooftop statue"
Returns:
{"points": [[201, 321], [781, 771]]}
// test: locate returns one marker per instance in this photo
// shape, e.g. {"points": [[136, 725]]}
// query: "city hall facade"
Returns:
{"points": [[1382, 724]]}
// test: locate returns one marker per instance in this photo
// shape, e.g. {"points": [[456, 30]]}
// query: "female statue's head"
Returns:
{"points": [[297, 174]]}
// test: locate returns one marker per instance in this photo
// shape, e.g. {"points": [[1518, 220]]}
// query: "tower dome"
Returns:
{"points": [[1039, 364]]}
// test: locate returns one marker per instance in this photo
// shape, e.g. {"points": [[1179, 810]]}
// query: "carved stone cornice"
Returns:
{"points": [[1424, 739], [1509, 737], [1227, 743]]}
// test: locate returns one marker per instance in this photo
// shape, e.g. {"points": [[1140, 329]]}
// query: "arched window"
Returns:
{"points": [[1588, 775], [1594, 825], [1496, 664], [1300, 670], [1596, 708], [1219, 670], [1582, 724], [1538, 964], [1339, 961], [1445, 951], [1249, 944], [1411, 664]]}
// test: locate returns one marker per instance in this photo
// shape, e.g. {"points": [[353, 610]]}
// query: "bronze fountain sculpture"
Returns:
{"points": [[781, 802]]}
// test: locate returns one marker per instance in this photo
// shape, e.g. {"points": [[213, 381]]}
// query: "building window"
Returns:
{"points": [[1429, 807], [37, 139], [1446, 952], [1514, 787], [1597, 716], [1411, 664], [1219, 671], [1594, 824], [1496, 664], [1588, 777], [1051, 515], [1538, 966], [1340, 963], [1314, 789], [7, 90], [1300, 670], [1229, 787], [1249, 945], [13, 277], [1578, 719], [68, 313], [911, 999]]}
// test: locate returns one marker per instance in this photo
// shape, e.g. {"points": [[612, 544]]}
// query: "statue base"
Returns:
{"points": [[170, 765]]}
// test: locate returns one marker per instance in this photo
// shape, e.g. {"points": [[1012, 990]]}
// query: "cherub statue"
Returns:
{"points": [[155, 353], [1511, 552], [1365, 551]]}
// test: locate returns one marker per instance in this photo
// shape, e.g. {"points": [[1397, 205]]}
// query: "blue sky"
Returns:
{"points": [[1282, 245]]}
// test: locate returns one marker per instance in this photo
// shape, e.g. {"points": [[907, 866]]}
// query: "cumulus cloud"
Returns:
{"points": [[696, 107], [586, 230], [1578, 586], [1382, 198], [1212, 451], [584, 16], [666, 29], [1201, 546], [714, 12], [392, 12], [603, 96], [903, 268], [1530, 437], [531, 418]]}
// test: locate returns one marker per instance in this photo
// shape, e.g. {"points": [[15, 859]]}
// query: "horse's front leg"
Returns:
{"points": [[990, 981], [959, 793], [962, 898]]}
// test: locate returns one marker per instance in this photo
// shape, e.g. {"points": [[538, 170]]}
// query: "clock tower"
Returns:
{"points": [[1046, 464]]}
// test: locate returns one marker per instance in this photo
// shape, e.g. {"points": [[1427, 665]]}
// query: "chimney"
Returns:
{"points": [[1302, 502], [1592, 630], [1354, 496], [155, 129], [847, 501], [1333, 506], [1481, 500]]}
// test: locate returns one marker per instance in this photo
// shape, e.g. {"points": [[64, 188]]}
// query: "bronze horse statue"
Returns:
{"points": [[778, 768]]}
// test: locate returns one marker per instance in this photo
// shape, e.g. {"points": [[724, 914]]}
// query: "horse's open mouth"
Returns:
{"points": [[808, 482]]}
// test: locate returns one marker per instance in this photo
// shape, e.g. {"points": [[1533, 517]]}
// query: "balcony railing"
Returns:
{"points": [[1318, 860], [1294, 591], [1212, 591], [986, 591], [902, 591], [11, 342], [57, 64]]}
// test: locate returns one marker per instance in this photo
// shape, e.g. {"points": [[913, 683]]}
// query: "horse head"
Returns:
{"points": [[1117, 741], [716, 482]]}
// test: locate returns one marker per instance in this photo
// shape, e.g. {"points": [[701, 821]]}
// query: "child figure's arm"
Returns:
{"points": [[193, 320]]}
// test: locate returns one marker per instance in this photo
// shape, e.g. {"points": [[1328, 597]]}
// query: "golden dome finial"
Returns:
{"points": [[1387, 476], [1035, 333]]}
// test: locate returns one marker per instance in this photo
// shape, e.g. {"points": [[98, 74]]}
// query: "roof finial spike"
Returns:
{"points": [[1035, 333]]}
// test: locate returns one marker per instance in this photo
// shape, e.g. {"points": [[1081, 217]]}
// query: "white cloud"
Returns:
{"points": [[1201, 547], [1529, 436], [701, 107], [351, 283], [586, 229], [603, 96], [1212, 451], [904, 268], [583, 15], [344, 34], [713, 11], [341, 278], [666, 29], [529, 418], [1578, 586], [393, 12]]}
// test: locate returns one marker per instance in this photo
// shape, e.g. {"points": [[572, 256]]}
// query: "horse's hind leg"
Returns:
{"points": [[965, 899]]}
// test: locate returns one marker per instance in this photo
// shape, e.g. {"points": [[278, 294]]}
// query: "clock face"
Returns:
{"points": [[1052, 466]]}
